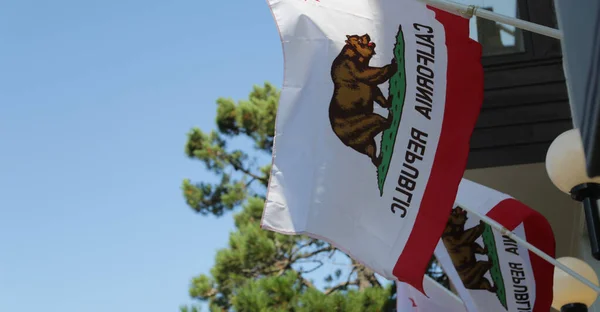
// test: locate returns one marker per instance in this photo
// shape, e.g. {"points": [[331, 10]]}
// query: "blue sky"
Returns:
{"points": [[96, 98]]}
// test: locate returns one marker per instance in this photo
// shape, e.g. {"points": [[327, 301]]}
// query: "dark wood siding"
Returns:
{"points": [[525, 102]]}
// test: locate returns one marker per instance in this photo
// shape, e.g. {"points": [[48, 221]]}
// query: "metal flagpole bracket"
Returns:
{"points": [[470, 12]]}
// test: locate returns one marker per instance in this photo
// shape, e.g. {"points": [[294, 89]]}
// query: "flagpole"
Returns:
{"points": [[504, 231], [469, 11]]}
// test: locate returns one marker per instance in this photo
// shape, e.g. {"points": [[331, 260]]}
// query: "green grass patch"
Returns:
{"points": [[397, 90], [490, 242]]}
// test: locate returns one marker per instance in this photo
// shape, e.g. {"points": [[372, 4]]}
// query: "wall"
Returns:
{"points": [[585, 254], [525, 108], [526, 103]]}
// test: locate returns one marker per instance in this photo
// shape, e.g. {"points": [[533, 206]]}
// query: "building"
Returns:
{"points": [[526, 107]]}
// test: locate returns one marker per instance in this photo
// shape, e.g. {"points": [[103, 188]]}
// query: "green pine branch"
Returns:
{"points": [[261, 270]]}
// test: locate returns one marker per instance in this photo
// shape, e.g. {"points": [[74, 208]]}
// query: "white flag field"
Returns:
{"points": [[378, 105], [438, 298], [490, 271]]}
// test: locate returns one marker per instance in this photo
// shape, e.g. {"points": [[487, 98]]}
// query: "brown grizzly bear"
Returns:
{"points": [[462, 248], [355, 89]]}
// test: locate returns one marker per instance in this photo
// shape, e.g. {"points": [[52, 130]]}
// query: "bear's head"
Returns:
{"points": [[456, 220], [361, 45]]}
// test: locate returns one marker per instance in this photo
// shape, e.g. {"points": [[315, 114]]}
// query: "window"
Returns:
{"points": [[495, 38]]}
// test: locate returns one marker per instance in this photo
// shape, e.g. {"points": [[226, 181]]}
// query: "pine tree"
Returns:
{"points": [[260, 270]]}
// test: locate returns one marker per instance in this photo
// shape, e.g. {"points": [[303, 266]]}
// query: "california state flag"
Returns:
{"points": [[490, 271], [378, 104]]}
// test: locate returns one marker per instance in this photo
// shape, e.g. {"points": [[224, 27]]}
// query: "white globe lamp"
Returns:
{"points": [[571, 295], [565, 164]]}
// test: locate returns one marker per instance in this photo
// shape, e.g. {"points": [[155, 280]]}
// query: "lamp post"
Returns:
{"points": [[565, 164], [571, 295]]}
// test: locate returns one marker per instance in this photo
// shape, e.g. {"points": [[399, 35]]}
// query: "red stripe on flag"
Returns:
{"points": [[464, 96], [510, 213]]}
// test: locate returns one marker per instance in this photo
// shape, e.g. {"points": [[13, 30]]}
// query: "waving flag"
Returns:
{"points": [[378, 104], [438, 299], [490, 271]]}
